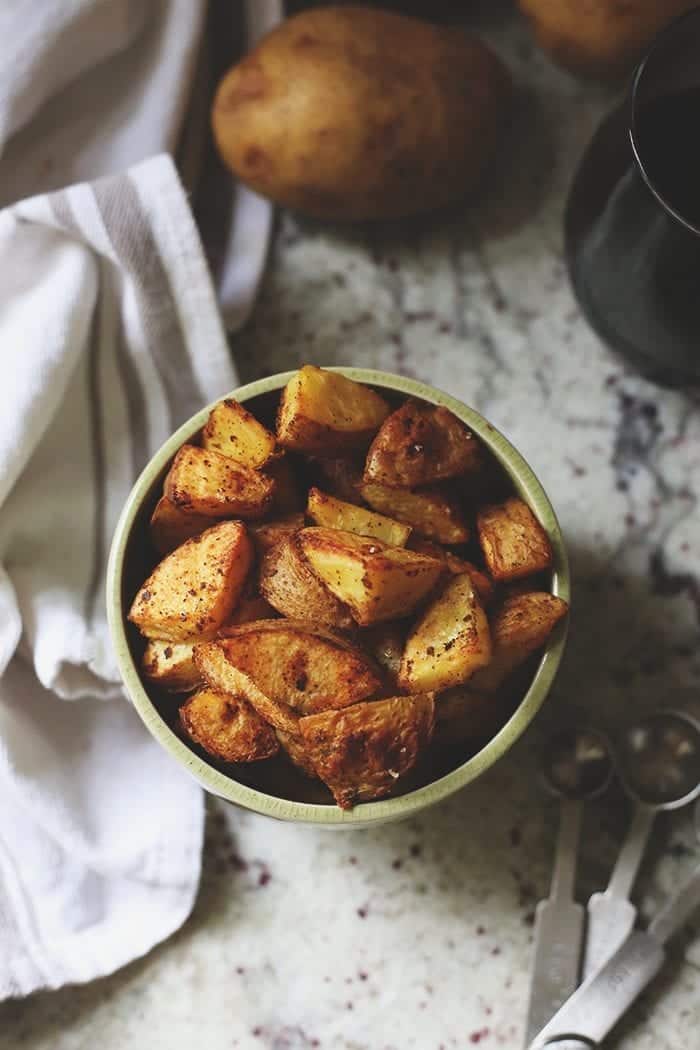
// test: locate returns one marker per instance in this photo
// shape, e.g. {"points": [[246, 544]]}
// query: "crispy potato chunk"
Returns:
{"points": [[362, 751], [450, 641], [205, 482], [335, 514], [194, 590], [296, 751], [512, 539], [300, 664], [233, 431], [520, 626], [324, 413], [420, 444], [430, 511], [463, 714], [171, 665], [170, 525], [248, 610], [227, 727], [377, 582], [482, 583], [290, 586], [341, 477], [218, 671], [267, 534]]}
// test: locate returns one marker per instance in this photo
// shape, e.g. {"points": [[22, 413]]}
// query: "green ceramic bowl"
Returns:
{"points": [[128, 567]]}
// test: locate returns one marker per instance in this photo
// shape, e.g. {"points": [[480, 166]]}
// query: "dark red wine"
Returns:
{"points": [[667, 136]]}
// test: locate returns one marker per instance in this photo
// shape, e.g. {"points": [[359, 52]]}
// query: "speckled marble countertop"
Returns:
{"points": [[419, 935]]}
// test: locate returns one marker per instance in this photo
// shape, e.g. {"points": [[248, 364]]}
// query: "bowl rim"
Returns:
{"points": [[366, 813]]}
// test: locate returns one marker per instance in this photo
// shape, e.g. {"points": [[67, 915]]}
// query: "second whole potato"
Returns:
{"points": [[357, 114]]}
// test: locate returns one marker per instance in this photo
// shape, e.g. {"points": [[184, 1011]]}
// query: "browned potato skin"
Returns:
{"points": [[194, 590], [430, 511], [289, 585], [342, 478], [221, 675], [416, 114], [296, 751], [599, 37], [233, 431], [170, 525], [362, 751], [302, 665], [520, 626], [227, 727], [513, 542], [203, 481], [420, 444], [267, 534]]}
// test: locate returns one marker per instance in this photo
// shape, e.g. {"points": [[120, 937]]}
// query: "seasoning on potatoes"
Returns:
{"points": [[513, 542], [227, 727], [324, 413], [376, 581], [194, 590], [420, 444], [355, 114], [299, 637], [362, 751], [602, 37]]}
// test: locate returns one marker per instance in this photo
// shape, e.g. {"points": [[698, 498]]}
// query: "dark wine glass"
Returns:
{"points": [[633, 215]]}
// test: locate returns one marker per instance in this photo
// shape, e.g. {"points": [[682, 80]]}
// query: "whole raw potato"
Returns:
{"points": [[353, 113], [600, 37]]}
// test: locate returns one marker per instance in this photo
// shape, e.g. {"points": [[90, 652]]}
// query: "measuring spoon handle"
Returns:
{"points": [[559, 924], [610, 915]]}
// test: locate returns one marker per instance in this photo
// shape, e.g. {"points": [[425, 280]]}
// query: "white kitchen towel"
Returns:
{"points": [[109, 337]]}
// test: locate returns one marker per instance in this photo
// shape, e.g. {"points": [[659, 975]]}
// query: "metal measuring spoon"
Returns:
{"points": [[594, 1010], [577, 766], [659, 766]]}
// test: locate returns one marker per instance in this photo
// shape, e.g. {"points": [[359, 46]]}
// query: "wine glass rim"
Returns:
{"points": [[656, 45]]}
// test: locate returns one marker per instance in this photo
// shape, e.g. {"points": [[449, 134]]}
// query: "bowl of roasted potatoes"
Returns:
{"points": [[337, 596]]}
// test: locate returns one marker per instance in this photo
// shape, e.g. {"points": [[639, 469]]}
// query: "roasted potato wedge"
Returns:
{"points": [[420, 444], [220, 674], [194, 590], [429, 511], [205, 482], [324, 413], [296, 751], [333, 513], [521, 625], [227, 727], [482, 583], [232, 431], [301, 664], [377, 582], [450, 641], [171, 525], [293, 589], [171, 666], [266, 534], [362, 751], [512, 540]]}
